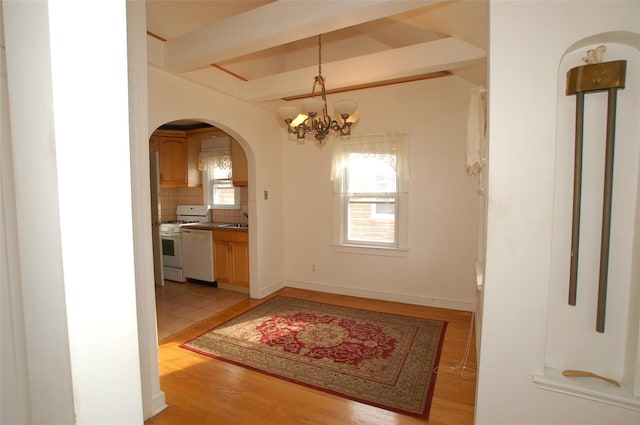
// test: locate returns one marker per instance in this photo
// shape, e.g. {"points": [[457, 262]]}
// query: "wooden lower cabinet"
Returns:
{"points": [[231, 257]]}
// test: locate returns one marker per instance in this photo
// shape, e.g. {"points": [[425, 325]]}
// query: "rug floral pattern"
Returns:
{"points": [[380, 359]]}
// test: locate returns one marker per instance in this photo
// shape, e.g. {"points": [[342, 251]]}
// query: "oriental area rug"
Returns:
{"points": [[384, 360]]}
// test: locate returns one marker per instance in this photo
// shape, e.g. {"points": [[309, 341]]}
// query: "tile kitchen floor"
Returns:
{"points": [[181, 305]]}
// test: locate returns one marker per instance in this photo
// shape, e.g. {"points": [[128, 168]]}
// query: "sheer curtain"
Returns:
{"points": [[392, 148], [217, 163]]}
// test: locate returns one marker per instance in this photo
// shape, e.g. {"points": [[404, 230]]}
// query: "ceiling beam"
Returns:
{"points": [[275, 24], [441, 55]]}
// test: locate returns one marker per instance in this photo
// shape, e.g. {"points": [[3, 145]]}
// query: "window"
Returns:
{"points": [[371, 200], [217, 184], [369, 174], [225, 194]]}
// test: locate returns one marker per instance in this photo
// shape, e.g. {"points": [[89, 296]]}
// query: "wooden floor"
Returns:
{"points": [[201, 390]]}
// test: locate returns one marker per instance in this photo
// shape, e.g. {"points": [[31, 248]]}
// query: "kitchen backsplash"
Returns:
{"points": [[170, 198]]}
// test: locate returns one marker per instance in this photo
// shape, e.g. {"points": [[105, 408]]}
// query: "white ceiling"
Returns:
{"points": [[265, 51]]}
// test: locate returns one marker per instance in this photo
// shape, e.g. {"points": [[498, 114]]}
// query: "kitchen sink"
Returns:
{"points": [[235, 226]]}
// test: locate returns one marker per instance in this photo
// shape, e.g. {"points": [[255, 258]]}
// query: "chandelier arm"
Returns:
{"points": [[344, 129]]}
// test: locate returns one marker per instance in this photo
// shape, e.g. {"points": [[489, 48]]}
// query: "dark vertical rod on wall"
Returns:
{"points": [[598, 77], [577, 196], [606, 209]]}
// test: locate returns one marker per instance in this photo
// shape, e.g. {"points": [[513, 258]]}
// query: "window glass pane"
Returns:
{"points": [[371, 219], [222, 171], [224, 193], [370, 174]]}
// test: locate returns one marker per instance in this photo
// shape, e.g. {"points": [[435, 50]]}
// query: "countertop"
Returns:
{"points": [[217, 226]]}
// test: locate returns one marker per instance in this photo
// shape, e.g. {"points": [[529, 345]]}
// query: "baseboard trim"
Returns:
{"points": [[276, 286], [158, 403], [451, 304], [236, 288]]}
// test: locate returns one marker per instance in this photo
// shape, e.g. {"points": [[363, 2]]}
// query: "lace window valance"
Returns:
{"points": [[391, 148], [217, 163]]}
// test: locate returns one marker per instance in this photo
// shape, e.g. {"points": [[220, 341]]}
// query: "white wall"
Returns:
{"points": [[257, 130], [153, 397], [80, 334], [527, 42], [15, 406], [443, 211]]}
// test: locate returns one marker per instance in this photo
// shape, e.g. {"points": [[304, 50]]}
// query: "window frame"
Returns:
{"points": [[211, 193], [209, 162], [343, 240], [348, 201]]}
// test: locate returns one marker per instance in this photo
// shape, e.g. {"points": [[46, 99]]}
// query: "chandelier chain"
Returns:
{"points": [[320, 55]]}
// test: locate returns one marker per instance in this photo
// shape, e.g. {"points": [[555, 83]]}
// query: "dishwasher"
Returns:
{"points": [[197, 254]]}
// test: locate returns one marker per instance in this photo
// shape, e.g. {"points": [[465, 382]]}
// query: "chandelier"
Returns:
{"points": [[315, 119]]}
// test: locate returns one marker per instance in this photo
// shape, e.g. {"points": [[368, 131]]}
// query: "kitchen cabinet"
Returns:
{"points": [[231, 257], [194, 175], [173, 161], [172, 149], [239, 164], [178, 158]]}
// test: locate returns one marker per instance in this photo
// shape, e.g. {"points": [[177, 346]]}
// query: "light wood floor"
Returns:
{"points": [[201, 390]]}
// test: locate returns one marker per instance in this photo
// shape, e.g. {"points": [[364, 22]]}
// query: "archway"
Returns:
{"points": [[197, 167]]}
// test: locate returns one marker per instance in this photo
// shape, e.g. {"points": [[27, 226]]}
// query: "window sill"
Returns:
{"points": [[371, 250], [588, 388]]}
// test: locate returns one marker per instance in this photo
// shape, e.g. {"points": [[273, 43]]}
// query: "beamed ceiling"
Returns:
{"points": [[267, 51]]}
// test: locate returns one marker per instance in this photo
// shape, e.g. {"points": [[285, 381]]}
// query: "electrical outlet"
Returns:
{"points": [[266, 195]]}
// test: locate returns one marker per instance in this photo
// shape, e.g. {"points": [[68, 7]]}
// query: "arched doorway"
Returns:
{"points": [[201, 169]]}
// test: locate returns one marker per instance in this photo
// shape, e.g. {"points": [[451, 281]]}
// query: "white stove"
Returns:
{"points": [[186, 214], [172, 242]]}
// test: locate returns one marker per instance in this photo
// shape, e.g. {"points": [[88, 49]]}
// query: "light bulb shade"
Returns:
{"points": [[345, 107], [353, 118], [313, 105], [288, 112], [298, 120]]}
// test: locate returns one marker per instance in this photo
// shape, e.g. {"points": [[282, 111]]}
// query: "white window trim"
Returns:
{"points": [[236, 196], [211, 158], [341, 242], [345, 231], [371, 250]]}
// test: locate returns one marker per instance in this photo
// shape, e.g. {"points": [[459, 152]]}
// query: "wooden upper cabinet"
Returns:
{"points": [[194, 175], [153, 144], [173, 161], [239, 164], [179, 158], [179, 153]]}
